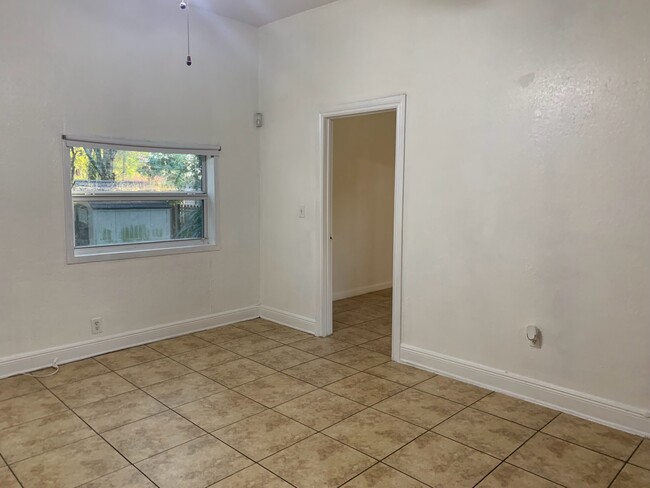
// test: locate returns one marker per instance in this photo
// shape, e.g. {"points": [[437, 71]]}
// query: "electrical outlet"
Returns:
{"points": [[97, 325]]}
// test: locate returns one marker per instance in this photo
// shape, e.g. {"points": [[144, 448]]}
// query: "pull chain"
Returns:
{"points": [[185, 5]]}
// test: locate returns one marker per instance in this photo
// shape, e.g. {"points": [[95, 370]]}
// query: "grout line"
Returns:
{"points": [[323, 388], [20, 483], [10, 470]]}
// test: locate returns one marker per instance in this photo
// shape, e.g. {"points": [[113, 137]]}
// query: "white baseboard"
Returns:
{"points": [[295, 321], [607, 412], [340, 295], [22, 363]]}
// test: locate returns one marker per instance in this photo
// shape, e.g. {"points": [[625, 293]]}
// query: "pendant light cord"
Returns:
{"points": [[189, 56]]}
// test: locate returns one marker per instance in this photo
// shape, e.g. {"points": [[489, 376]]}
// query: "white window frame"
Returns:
{"points": [[210, 242]]}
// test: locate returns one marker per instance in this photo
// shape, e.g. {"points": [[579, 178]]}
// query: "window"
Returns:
{"points": [[129, 200]]}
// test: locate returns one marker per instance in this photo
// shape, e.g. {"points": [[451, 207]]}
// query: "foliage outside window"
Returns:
{"points": [[127, 200]]}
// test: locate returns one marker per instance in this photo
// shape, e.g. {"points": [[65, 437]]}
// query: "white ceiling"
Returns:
{"points": [[260, 12]]}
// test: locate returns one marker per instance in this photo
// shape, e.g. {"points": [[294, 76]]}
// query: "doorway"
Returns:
{"points": [[362, 175]]}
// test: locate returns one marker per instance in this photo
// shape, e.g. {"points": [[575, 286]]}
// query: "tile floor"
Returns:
{"points": [[259, 405]]}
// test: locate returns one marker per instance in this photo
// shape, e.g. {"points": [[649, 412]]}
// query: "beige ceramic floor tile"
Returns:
{"points": [[253, 477], [318, 462], [381, 295], [206, 357], [119, 410], [319, 409], [360, 315], [273, 390], [197, 464], [148, 437], [184, 389], [18, 386], [453, 390], [69, 466], [507, 476], [365, 389], [642, 455], [419, 408], [632, 477], [374, 433], [153, 372], [217, 411], [593, 436], [222, 334], [382, 326], [492, 435], [258, 326], [345, 304], [286, 335], [383, 345], [519, 411], [236, 373], [77, 371], [400, 373], [321, 346], [179, 345], [358, 358], [35, 437], [128, 357], [320, 372], [124, 478], [7, 479], [374, 303], [442, 463], [263, 434], [336, 326], [247, 346], [386, 292], [355, 335], [565, 463], [19, 410], [282, 357], [92, 389], [382, 476]]}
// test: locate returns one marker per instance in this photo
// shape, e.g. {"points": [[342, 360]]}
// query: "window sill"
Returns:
{"points": [[91, 255]]}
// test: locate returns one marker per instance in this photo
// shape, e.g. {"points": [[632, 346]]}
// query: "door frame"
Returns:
{"points": [[396, 103]]}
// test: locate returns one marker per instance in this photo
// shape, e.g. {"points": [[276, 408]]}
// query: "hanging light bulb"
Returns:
{"points": [[183, 5]]}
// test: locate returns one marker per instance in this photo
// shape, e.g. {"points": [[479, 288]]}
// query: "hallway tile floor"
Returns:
{"points": [[260, 405]]}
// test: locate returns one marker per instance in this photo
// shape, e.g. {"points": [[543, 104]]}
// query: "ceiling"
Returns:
{"points": [[260, 12]]}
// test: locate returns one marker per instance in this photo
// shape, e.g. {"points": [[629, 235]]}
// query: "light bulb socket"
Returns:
{"points": [[189, 61]]}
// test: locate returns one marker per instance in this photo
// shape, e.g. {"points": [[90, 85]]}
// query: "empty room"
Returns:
{"points": [[324, 243]]}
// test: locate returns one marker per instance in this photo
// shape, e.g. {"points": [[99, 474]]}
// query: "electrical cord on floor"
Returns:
{"points": [[56, 370]]}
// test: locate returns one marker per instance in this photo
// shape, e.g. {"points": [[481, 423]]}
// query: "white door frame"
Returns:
{"points": [[395, 103]]}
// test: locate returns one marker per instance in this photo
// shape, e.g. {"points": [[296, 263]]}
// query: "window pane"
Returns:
{"points": [[103, 170], [105, 223]]}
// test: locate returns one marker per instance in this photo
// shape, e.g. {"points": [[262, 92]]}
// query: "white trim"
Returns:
{"points": [[395, 103], [32, 361], [162, 249], [211, 212], [339, 295], [150, 146], [607, 412], [295, 321]]}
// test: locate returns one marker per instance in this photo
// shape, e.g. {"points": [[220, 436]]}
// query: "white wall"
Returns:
{"points": [[363, 160], [117, 69], [526, 178]]}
